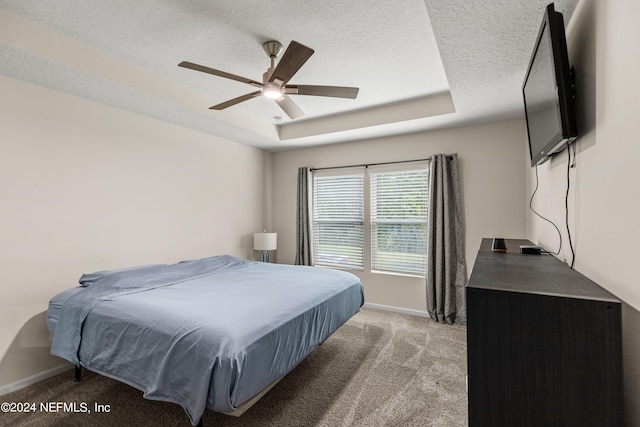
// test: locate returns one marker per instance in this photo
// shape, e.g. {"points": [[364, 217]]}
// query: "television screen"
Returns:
{"points": [[548, 91]]}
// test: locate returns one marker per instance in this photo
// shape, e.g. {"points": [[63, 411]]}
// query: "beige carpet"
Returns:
{"points": [[379, 369]]}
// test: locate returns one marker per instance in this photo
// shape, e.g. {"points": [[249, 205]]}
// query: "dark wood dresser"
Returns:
{"points": [[544, 343]]}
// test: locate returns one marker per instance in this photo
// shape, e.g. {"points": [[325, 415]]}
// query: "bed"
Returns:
{"points": [[212, 333]]}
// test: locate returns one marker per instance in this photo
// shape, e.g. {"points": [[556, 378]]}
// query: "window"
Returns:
{"points": [[338, 220], [399, 221], [395, 213]]}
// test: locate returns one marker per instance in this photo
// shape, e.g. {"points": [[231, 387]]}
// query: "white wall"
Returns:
{"points": [[490, 158], [603, 199], [84, 187]]}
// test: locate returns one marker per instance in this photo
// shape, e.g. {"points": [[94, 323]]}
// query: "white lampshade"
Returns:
{"points": [[265, 241]]}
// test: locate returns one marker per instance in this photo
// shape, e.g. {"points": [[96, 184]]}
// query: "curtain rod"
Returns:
{"points": [[366, 165]]}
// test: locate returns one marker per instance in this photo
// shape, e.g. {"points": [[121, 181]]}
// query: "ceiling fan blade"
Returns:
{"points": [[290, 107], [218, 73], [294, 57], [333, 91], [235, 101]]}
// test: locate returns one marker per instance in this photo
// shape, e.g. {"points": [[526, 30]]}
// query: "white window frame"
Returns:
{"points": [[368, 224], [341, 258], [412, 262]]}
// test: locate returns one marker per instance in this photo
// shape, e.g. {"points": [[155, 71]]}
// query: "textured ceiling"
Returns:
{"points": [[419, 64]]}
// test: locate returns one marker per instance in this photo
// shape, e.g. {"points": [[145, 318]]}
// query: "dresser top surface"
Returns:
{"points": [[535, 274]]}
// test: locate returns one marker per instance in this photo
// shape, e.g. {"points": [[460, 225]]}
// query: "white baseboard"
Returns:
{"points": [[17, 385], [396, 309]]}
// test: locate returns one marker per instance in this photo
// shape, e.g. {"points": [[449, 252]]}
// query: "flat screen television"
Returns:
{"points": [[549, 91]]}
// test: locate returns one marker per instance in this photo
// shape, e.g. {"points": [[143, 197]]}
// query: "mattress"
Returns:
{"points": [[55, 305], [209, 333]]}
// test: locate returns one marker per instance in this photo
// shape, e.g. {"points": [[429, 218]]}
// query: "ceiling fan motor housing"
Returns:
{"points": [[273, 48]]}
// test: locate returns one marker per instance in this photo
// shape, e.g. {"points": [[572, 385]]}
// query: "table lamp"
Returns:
{"points": [[265, 242]]}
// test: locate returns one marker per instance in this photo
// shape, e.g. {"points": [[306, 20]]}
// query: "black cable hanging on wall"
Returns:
{"points": [[548, 220], [570, 164]]}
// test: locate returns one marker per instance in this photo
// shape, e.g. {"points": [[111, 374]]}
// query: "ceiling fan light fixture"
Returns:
{"points": [[272, 90]]}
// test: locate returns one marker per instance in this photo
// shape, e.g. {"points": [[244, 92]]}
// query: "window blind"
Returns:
{"points": [[338, 220], [399, 209]]}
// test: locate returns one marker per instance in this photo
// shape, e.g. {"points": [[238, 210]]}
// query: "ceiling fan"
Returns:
{"points": [[274, 80]]}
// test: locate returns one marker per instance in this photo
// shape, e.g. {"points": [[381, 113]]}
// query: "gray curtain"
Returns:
{"points": [[303, 222], [446, 268]]}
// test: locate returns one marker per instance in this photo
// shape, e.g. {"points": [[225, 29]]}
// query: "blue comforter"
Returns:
{"points": [[205, 333]]}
